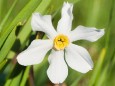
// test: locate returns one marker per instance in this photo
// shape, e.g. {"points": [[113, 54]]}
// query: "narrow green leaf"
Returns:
{"points": [[21, 17], [40, 76], [25, 76], [15, 76], [1, 1], [103, 77], [3, 63], [7, 15], [16, 80], [4, 7], [75, 82], [96, 71], [8, 44], [19, 5]]}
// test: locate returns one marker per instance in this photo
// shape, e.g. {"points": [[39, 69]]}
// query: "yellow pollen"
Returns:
{"points": [[60, 42]]}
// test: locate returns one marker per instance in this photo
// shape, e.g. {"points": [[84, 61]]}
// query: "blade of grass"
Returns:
{"points": [[15, 75], [25, 76], [16, 80], [7, 15], [21, 17], [4, 7], [8, 44], [75, 82], [97, 69], [103, 77], [2, 64]]}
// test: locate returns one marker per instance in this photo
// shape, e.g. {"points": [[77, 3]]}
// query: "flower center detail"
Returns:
{"points": [[60, 42]]}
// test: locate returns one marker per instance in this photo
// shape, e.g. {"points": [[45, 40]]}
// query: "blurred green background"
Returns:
{"points": [[16, 35]]}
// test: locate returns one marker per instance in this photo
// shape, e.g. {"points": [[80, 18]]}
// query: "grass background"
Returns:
{"points": [[16, 35]]}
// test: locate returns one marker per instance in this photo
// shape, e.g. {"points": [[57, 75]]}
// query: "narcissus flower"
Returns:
{"points": [[60, 43]]}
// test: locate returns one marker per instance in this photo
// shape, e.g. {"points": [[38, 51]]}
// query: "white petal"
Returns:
{"points": [[44, 24], [78, 58], [35, 53], [57, 71], [65, 23], [87, 33]]}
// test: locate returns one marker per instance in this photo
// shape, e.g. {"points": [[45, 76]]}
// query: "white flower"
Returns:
{"points": [[76, 56]]}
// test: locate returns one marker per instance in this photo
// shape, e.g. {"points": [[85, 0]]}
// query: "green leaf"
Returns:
{"points": [[16, 7], [75, 82], [15, 76], [25, 76], [2, 64], [4, 7], [7, 15], [96, 71], [21, 17], [40, 76], [8, 44], [16, 80]]}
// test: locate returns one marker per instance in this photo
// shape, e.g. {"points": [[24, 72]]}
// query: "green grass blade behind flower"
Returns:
{"points": [[75, 82], [14, 76], [4, 7], [15, 8], [1, 1], [7, 71], [2, 64], [110, 57], [94, 12], [7, 15], [111, 32], [43, 6], [16, 80], [25, 76], [107, 73], [21, 17], [85, 14], [8, 44], [96, 71], [40, 76], [97, 12], [103, 77]]}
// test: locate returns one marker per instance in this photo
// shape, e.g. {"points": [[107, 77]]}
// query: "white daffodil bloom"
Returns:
{"points": [[75, 56]]}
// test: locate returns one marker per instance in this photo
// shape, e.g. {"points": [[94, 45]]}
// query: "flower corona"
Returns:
{"points": [[60, 42]]}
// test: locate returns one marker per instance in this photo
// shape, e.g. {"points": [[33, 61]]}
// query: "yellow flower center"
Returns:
{"points": [[60, 42]]}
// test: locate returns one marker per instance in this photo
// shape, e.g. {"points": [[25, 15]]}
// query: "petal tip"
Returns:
{"points": [[54, 79], [67, 4], [19, 60], [103, 31], [35, 13], [87, 70]]}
